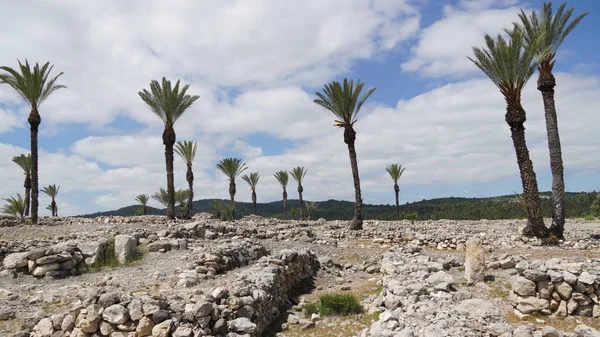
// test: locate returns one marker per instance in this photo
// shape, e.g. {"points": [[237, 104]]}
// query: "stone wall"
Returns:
{"points": [[244, 308], [556, 287], [58, 260]]}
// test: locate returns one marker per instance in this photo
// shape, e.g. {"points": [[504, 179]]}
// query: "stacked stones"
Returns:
{"points": [[256, 295], [554, 287], [59, 260]]}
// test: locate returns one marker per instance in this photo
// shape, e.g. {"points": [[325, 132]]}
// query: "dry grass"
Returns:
{"points": [[334, 327], [566, 324]]}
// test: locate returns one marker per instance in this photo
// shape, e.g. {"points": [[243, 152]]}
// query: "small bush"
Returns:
{"points": [[589, 218], [339, 304], [311, 308], [108, 258]]}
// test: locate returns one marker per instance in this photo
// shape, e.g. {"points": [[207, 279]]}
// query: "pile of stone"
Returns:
{"points": [[556, 287], [245, 308], [58, 261]]}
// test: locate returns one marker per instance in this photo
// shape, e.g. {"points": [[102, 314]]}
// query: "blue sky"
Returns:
{"points": [[256, 65]]}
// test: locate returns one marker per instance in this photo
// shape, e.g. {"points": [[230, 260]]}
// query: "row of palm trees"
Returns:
{"points": [[532, 44]]}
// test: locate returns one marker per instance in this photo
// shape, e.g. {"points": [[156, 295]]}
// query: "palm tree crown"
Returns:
{"points": [[232, 167], [24, 161], [298, 173], [142, 199], [167, 102], [508, 64], [51, 191], [161, 196], [395, 171], [33, 85], [283, 178], [187, 151], [14, 206], [251, 179], [343, 101]]}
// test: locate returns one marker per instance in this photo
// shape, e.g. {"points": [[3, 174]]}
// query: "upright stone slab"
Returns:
{"points": [[474, 261], [125, 248]]}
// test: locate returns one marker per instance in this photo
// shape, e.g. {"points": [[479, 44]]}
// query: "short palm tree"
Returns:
{"points": [[35, 87], [344, 101], [168, 103], [252, 180], [395, 171], [546, 31], [162, 196], [217, 206], [14, 206], [182, 197], [232, 167], [52, 192], [298, 173], [143, 200], [25, 163], [509, 65], [310, 208], [187, 151], [283, 177]]}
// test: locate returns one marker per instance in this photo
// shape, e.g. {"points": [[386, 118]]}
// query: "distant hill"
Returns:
{"points": [[453, 208]]}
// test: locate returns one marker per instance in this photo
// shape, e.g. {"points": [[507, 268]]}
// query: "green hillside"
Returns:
{"points": [[502, 207]]}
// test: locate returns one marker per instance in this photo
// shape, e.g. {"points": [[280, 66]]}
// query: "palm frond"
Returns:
{"points": [[251, 179], [161, 196], [142, 199], [343, 100], [167, 102], [186, 150], [24, 161], [31, 84], [51, 190], [232, 167], [14, 206], [282, 177], [298, 173], [395, 171]]}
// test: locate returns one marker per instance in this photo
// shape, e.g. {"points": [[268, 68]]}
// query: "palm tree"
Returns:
{"points": [[298, 173], [217, 206], [310, 208], [182, 197], [232, 167], [52, 192], [546, 32], [143, 200], [252, 180], [25, 163], [345, 104], [168, 103], [283, 177], [15, 206], [162, 196], [35, 87], [187, 151], [395, 171], [509, 65]]}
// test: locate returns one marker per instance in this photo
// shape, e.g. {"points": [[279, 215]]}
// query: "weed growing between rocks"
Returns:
{"points": [[339, 304], [106, 257]]}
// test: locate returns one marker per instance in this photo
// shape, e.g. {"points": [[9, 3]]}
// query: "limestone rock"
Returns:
{"points": [[474, 261], [15, 260], [44, 328], [585, 331], [115, 314], [144, 327], [125, 248], [242, 324], [162, 329], [522, 286]]}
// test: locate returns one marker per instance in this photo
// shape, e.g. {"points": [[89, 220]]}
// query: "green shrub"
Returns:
{"points": [[339, 304], [311, 308], [589, 218], [108, 258]]}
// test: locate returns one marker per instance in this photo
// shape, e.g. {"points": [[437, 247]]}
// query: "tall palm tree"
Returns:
{"points": [[52, 192], [24, 161], [143, 200], [298, 173], [395, 171], [232, 167], [187, 151], [252, 180], [283, 177], [546, 32], [35, 87], [509, 65], [345, 103], [168, 103], [15, 206]]}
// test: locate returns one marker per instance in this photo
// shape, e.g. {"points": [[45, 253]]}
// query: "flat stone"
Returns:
{"points": [[115, 314], [15, 260], [522, 286]]}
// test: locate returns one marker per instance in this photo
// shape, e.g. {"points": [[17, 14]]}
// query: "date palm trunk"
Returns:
{"points": [[54, 208], [285, 212], [27, 186], [397, 192], [300, 190], [189, 176], [515, 117], [144, 210], [254, 200], [169, 139], [34, 120], [546, 84], [232, 191], [349, 139]]}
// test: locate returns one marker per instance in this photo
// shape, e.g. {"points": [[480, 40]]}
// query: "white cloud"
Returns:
{"points": [[443, 47]]}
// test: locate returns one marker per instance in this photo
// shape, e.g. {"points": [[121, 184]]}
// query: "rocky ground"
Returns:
{"points": [[410, 277]]}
